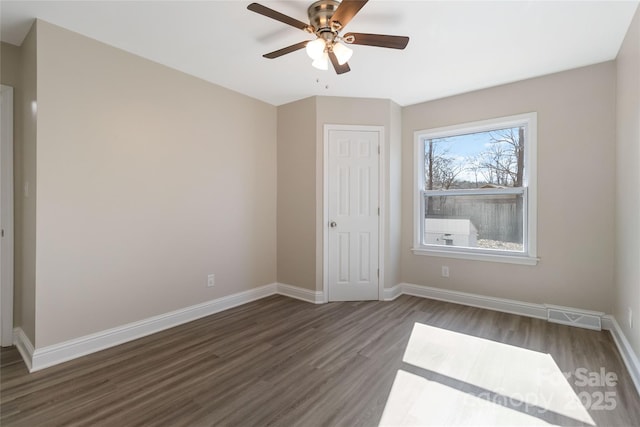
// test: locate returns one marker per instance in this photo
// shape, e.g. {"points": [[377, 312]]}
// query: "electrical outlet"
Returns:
{"points": [[211, 280], [630, 318], [445, 271]]}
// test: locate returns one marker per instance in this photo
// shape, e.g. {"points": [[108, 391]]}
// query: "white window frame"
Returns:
{"points": [[528, 190]]}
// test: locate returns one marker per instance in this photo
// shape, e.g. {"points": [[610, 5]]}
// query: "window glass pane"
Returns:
{"points": [[485, 221], [476, 160]]}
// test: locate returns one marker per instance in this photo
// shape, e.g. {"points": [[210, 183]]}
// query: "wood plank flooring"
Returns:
{"points": [[284, 362]]}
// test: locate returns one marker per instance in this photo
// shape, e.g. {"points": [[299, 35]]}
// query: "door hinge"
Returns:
{"points": [[378, 273], [2, 233], [378, 149], [378, 211]]}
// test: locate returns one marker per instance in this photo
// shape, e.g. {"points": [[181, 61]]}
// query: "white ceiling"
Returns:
{"points": [[455, 47]]}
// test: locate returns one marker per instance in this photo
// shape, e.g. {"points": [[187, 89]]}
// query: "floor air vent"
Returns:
{"points": [[574, 317]]}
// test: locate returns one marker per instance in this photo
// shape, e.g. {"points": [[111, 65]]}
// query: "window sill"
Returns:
{"points": [[477, 256]]}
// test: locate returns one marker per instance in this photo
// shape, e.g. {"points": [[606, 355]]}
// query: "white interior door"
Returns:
{"points": [[353, 214], [6, 215]]}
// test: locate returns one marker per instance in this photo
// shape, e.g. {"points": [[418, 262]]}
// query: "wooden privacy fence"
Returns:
{"points": [[496, 217]]}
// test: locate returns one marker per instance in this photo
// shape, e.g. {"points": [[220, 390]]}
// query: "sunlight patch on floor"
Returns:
{"points": [[416, 401], [461, 379]]}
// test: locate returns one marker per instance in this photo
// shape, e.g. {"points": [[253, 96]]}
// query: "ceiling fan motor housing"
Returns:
{"points": [[320, 14]]}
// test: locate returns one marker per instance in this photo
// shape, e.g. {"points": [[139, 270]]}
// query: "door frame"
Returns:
{"points": [[325, 204], [6, 205]]}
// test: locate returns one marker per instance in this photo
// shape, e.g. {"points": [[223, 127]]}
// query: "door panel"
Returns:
{"points": [[353, 167]]}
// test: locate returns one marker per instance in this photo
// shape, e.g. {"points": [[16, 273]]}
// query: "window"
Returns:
{"points": [[475, 192]]}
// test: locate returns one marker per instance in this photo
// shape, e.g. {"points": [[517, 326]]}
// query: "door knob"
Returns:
{"points": [[333, 224]]}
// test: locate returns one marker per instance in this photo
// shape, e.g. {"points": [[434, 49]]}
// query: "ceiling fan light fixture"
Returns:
{"points": [[322, 62], [315, 48], [343, 53]]}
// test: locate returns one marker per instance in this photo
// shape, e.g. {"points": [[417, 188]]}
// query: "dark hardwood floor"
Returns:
{"points": [[280, 361]]}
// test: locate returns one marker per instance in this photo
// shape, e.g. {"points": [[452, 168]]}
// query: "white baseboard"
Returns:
{"points": [[538, 311], [24, 346], [628, 355], [41, 358], [314, 297], [44, 357], [392, 293]]}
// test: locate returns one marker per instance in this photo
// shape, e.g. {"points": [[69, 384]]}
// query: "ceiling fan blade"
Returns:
{"points": [[346, 11], [380, 40], [340, 69], [285, 50], [273, 14]]}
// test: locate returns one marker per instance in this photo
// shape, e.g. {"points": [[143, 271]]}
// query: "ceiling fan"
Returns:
{"points": [[326, 19]]}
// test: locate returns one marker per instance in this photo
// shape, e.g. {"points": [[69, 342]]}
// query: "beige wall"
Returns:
{"points": [[394, 199], [296, 193], [628, 185], [25, 172], [10, 62], [148, 180], [9, 65], [576, 140]]}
